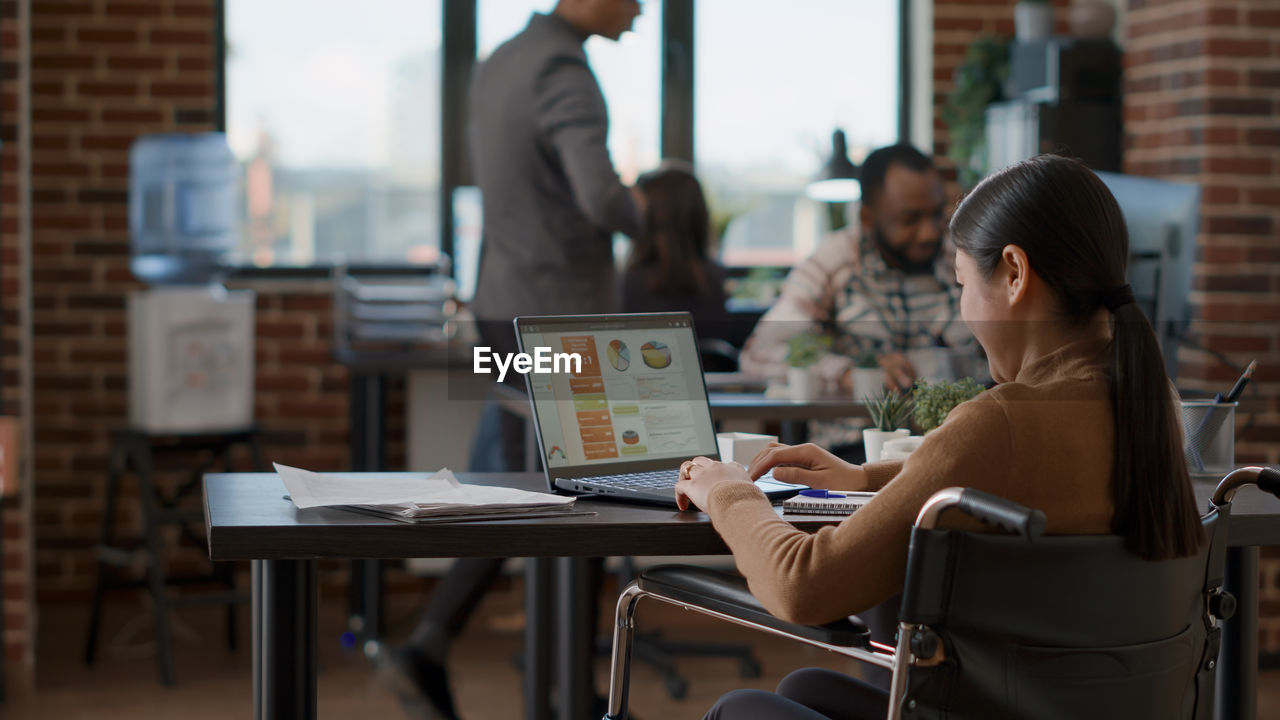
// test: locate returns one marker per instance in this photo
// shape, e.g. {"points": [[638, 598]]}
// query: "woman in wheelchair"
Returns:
{"points": [[1081, 425]]}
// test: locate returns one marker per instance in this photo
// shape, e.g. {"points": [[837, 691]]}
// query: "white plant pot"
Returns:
{"points": [[800, 383], [1033, 20], [873, 440], [867, 383]]}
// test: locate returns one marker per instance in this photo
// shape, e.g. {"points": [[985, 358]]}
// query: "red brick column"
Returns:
{"points": [[104, 73], [16, 623], [1202, 99]]}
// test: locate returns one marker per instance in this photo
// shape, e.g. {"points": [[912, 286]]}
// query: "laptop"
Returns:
{"points": [[618, 423]]}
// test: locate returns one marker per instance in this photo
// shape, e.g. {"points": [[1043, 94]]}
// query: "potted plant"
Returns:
{"points": [[890, 411], [867, 375], [979, 81], [803, 352], [934, 401]]}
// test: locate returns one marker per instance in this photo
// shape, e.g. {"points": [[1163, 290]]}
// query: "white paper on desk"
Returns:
{"points": [[428, 494]]}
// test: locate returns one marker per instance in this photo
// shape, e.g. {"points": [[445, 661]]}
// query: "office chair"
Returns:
{"points": [[718, 355], [1010, 626]]}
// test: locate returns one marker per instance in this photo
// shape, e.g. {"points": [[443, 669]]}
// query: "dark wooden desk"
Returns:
{"points": [[248, 519]]}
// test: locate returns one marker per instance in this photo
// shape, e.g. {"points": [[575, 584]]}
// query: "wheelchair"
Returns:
{"points": [[1012, 625]]}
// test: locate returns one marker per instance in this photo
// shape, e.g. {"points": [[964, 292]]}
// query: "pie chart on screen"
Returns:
{"points": [[656, 354], [619, 355]]}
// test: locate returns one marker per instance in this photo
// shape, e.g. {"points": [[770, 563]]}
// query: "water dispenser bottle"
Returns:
{"points": [[183, 215]]}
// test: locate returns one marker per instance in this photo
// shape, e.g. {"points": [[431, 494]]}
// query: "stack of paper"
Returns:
{"points": [[417, 498]]}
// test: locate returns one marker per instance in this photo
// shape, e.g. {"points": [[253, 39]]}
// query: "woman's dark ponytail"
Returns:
{"points": [[1072, 230], [1155, 508]]}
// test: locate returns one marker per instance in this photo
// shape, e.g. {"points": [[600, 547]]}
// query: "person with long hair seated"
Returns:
{"points": [[671, 265], [1081, 424]]}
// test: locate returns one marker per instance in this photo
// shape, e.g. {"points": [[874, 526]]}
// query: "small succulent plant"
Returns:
{"points": [[890, 409]]}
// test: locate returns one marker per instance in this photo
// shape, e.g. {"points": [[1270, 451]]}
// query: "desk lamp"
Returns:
{"points": [[837, 182]]}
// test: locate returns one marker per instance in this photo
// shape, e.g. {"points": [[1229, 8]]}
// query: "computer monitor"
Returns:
{"points": [[1163, 219]]}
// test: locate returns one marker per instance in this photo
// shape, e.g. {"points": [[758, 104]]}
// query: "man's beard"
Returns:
{"points": [[897, 258]]}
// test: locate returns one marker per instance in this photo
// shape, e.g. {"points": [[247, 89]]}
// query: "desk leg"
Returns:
{"points": [[255, 633], [368, 403], [284, 639], [537, 638], [575, 638], [1237, 690], [793, 432]]}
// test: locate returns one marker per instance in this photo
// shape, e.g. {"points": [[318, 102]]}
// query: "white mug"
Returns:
{"points": [[900, 448], [740, 447]]}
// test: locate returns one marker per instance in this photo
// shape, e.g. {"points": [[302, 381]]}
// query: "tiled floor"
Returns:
{"points": [[215, 683]]}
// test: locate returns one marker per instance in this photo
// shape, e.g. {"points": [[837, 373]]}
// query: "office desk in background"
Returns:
{"points": [[792, 414], [248, 519]]}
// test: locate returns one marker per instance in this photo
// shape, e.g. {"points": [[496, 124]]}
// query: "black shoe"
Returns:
{"points": [[421, 684]]}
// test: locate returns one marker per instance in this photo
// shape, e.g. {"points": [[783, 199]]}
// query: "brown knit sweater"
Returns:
{"points": [[1044, 440]]}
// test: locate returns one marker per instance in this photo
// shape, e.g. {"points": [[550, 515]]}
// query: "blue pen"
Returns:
{"points": [[821, 494]]}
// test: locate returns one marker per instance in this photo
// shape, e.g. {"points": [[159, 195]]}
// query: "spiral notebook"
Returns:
{"points": [[844, 504]]}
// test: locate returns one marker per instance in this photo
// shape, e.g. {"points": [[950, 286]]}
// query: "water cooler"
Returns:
{"points": [[191, 349]]}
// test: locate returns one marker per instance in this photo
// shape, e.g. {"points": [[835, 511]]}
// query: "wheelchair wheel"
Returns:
{"points": [[749, 668]]}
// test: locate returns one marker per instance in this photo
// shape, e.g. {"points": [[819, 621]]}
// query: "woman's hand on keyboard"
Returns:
{"points": [[810, 465], [699, 476]]}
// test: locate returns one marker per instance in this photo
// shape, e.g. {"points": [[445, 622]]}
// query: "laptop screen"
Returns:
{"points": [[638, 398]]}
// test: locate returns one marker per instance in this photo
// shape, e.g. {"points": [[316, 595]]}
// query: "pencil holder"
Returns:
{"points": [[1209, 436]]}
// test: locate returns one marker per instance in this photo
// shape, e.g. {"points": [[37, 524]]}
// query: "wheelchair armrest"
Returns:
{"points": [[984, 507], [727, 594]]}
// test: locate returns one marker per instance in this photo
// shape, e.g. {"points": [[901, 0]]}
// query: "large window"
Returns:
{"points": [[770, 88], [335, 116], [628, 71], [333, 111]]}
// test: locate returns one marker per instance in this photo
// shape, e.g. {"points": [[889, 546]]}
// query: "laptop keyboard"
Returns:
{"points": [[640, 480]]}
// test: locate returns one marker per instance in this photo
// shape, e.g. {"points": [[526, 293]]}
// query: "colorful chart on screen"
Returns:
{"points": [[656, 354], [619, 355]]}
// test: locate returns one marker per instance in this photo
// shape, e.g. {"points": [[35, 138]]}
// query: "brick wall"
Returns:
{"points": [[102, 74], [1202, 99], [15, 564]]}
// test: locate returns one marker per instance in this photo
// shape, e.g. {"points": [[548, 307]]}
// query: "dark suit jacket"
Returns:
{"points": [[551, 197]]}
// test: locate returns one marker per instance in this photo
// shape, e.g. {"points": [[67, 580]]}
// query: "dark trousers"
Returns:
{"points": [[809, 694]]}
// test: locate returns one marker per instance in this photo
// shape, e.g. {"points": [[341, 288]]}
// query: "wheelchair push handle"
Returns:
{"points": [[986, 508], [1267, 479]]}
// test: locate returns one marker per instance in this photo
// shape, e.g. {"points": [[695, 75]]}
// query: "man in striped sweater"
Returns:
{"points": [[883, 285]]}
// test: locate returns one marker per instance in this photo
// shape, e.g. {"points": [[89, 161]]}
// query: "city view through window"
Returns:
{"points": [[335, 117]]}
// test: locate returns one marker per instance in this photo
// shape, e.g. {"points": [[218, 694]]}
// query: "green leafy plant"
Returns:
{"points": [[979, 81], [935, 400], [867, 360], [806, 349], [760, 285], [890, 409]]}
